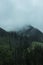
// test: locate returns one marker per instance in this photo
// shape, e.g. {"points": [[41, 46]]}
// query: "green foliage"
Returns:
{"points": [[35, 56], [35, 44], [6, 56], [22, 56], [4, 40]]}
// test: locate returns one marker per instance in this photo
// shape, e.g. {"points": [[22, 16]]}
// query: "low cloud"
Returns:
{"points": [[14, 14]]}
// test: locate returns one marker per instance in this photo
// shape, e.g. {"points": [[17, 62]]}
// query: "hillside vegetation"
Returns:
{"points": [[24, 47], [21, 56]]}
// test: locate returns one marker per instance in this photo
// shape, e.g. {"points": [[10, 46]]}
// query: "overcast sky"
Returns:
{"points": [[14, 14]]}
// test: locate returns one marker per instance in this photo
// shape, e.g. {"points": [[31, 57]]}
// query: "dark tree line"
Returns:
{"points": [[21, 56]]}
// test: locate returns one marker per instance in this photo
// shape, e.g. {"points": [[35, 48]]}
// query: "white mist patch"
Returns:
{"points": [[14, 14]]}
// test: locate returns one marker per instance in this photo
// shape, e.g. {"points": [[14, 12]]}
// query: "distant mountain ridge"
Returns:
{"points": [[33, 33], [27, 34], [27, 29]]}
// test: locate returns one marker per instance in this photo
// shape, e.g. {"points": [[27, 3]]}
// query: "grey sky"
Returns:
{"points": [[14, 14]]}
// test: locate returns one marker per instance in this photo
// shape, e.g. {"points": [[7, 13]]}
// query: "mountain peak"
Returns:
{"points": [[32, 33]]}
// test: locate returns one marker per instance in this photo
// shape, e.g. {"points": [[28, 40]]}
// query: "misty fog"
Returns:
{"points": [[14, 14]]}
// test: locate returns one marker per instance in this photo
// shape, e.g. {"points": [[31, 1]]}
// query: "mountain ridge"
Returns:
{"points": [[24, 36]]}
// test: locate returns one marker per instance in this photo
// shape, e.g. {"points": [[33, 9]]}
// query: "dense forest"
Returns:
{"points": [[24, 47]]}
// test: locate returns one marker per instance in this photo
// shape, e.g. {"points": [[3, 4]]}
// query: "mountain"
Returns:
{"points": [[2, 32], [22, 38], [32, 33]]}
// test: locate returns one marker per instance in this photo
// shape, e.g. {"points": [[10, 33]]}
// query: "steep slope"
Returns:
{"points": [[4, 37], [2, 32], [23, 38], [32, 33]]}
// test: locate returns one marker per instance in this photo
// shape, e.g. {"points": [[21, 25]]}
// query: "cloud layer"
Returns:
{"points": [[14, 14]]}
